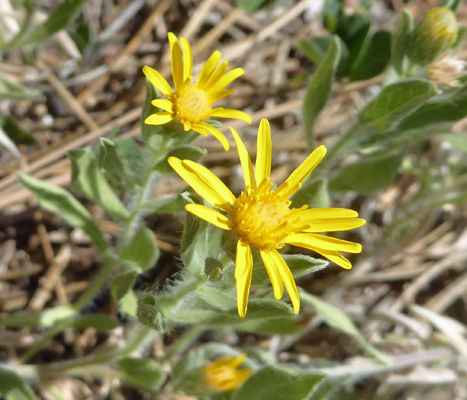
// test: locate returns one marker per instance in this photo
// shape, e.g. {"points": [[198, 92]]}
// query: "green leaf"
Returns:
{"points": [[373, 57], [12, 387], [44, 319], [17, 135], [143, 250], [452, 4], [395, 102], [299, 264], [62, 203], [142, 371], [112, 165], [275, 383], [186, 152], [458, 140], [401, 40], [332, 13], [368, 175], [251, 5], [88, 180], [319, 89], [164, 206], [58, 20], [123, 281], [337, 319], [217, 300], [314, 194], [101, 322], [13, 90]]}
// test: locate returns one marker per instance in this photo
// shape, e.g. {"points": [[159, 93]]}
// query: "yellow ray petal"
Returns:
{"points": [[233, 114], [158, 81], [329, 213], [333, 256], [273, 273], [204, 182], [187, 59], [163, 104], [287, 277], [323, 242], [215, 96], [217, 134], [245, 161], [263, 152], [200, 129], [177, 62], [243, 272], [212, 216], [159, 118], [227, 79], [215, 76], [294, 181], [208, 69], [334, 225]]}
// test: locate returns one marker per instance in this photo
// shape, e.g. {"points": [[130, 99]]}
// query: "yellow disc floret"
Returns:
{"points": [[263, 218], [192, 104]]}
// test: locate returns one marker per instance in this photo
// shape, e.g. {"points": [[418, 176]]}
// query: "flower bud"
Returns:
{"points": [[446, 71], [148, 314], [432, 36]]}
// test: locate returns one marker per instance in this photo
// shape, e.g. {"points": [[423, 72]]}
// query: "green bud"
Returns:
{"points": [[432, 36], [148, 314]]}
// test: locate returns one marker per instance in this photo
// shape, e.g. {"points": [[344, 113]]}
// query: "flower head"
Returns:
{"points": [[262, 217], [192, 103], [222, 375], [446, 71]]}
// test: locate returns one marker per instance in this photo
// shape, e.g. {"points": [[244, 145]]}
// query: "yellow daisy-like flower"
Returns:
{"points": [[191, 103], [222, 375], [262, 217]]}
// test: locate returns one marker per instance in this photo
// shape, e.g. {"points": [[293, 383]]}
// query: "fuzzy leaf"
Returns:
{"points": [[401, 40], [142, 371], [143, 250], [185, 152], [12, 387], [113, 166], [15, 90], [101, 322], [314, 194]]}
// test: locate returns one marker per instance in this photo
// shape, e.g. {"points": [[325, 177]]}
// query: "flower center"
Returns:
{"points": [[192, 104], [263, 218]]}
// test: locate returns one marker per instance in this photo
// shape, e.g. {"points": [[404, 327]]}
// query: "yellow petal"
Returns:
{"points": [[212, 216], [187, 59], [333, 225], [245, 161], [263, 152], [243, 272], [323, 242], [159, 118], [217, 134], [163, 104], [208, 69], [215, 76], [287, 277], [158, 81], [215, 96], [329, 213], [333, 256], [273, 273], [294, 181], [204, 182], [177, 62], [227, 79], [233, 114]]}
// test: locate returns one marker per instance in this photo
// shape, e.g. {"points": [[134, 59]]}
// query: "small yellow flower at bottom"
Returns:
{"points": [[222, 375], [191, 103], [262, 217]]}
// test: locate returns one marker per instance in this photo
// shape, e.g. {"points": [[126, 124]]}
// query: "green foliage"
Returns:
{"points": [[251, 5], [88, 180], [395, 102], [458, 140], [367, 175], [337, 319], [319, 89], [44, 319], [62, 203], [401, 40], [12, 387], [123, 281], [112, 165], [144, 372], [100, 322], [148, 314], [15, 90], [14, 132], [185, 152], [142, 250], [314, 194], [279, 384]]}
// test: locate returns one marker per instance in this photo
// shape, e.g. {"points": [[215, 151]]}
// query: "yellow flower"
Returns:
{"points": [[262, 217], [191, 103], [222, 375]]}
